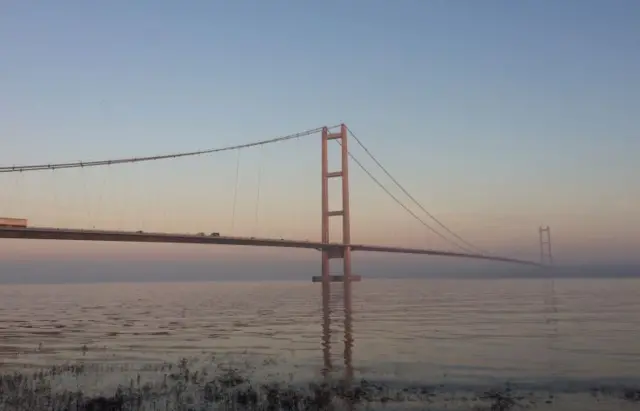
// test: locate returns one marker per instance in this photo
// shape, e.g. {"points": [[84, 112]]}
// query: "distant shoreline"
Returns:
{"points": [[458, 277]]}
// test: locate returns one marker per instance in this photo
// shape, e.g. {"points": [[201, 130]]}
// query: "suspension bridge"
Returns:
{"points": [[18, 228], [329, 249]]}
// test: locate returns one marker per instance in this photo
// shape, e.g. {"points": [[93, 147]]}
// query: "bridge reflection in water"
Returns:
{"points": [[337, 322]]}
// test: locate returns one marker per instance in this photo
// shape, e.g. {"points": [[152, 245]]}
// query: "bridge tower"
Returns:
{"points": [[545, 245], [342, 252]]}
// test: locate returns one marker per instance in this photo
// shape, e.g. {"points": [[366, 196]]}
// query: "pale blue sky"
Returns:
{"points": [[498, 115]]}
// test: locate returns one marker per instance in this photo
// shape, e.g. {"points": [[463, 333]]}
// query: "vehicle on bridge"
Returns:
{"points": [[13, 222], [214, 235]]}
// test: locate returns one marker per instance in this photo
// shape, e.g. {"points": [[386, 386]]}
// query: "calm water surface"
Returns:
{"points": [[570, 333]]}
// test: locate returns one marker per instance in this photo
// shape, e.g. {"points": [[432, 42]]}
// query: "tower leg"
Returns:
{"points": [[326, 279], [339, 251], [541, 246], [346, 258]]}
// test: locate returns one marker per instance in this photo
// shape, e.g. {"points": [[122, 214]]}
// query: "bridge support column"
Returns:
{"points": [[343, 252], [545, 240]]}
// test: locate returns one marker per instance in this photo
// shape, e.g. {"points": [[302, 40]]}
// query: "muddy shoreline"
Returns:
{"points": [[184, 387]]}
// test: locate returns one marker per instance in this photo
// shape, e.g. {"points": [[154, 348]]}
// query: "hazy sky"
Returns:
{"points": [[498, 116]]}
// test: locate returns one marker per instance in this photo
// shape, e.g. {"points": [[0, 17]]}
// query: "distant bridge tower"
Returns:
{"points": [[341, 252], [545, 246]]}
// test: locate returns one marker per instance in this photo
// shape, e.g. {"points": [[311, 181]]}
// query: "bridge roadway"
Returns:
{"points": [[43, 233]]}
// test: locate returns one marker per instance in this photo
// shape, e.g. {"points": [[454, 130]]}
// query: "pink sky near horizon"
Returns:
{"points": [[505, 226]]}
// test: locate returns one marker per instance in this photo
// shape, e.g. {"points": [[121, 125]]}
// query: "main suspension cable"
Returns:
{"points": [[416, 202], [57, 166], [399, 202]]}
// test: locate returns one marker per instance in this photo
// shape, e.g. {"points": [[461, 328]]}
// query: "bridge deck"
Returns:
{"points": [[42, 233]]}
